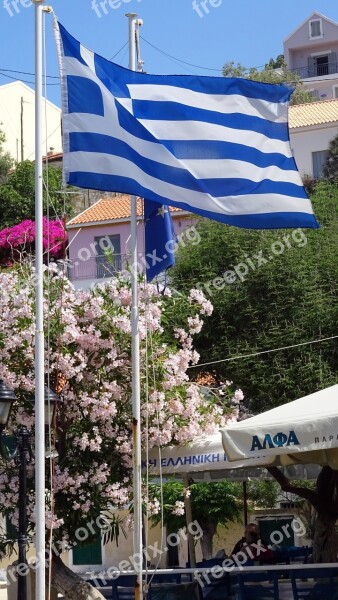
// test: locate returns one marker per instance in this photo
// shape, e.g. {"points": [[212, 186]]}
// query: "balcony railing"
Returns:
{"points": [[98, 267], [329, 68]]}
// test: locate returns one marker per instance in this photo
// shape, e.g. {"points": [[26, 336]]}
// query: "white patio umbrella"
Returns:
{"points": [[302, 431], [205, 459]]}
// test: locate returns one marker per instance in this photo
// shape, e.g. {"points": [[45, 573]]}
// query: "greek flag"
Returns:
{"points": [[160, 238], [215, 146]]}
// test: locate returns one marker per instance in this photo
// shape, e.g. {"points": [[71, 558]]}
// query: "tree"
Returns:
{"points": [[270, 290], [89, 365], [17, 195], [212, 504], [276, 63], [324, 499], [6, 162], [331, 164], [273, 72]]}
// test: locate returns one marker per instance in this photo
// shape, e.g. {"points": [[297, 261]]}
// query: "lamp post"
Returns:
{"points": [[22, 454]]}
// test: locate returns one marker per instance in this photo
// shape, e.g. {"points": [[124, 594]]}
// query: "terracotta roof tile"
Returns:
{"points": [[52, 157], [314, 113], [109, 209]]}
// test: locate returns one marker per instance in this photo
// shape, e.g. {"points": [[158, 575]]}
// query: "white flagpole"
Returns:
{"points": [[136, 395], [39, 333]]}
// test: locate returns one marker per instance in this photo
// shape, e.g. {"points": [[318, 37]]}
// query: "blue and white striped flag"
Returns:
{"points": [[159, 239], [214, 146]]}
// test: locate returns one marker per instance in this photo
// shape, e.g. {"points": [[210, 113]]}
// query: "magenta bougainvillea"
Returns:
{"points": [[18, 242]]}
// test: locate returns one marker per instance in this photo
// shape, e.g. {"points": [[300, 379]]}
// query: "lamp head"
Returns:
{"points": [[7, 398], [51, 400]]}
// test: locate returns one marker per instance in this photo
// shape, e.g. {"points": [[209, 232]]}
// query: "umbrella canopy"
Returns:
{"points": [[205, 459], [302, 431]]}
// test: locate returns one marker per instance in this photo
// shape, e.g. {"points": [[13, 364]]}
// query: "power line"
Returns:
{"points": [[220, 70], [27, 73], [174, 58], [179, 59], [118, 52], [263, 352], [23, 80]]}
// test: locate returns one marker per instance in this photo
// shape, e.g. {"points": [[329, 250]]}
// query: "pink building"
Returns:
{"points": [[99, 238], [311, 52]]}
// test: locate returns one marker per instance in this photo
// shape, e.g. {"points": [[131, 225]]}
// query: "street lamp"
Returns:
{"points": [[22, 454]]}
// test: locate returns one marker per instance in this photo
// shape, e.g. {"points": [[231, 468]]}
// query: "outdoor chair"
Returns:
{"points": [[216, 587], [314, 584], [105, 587], [258, 586], [124, 587], [299, 554], [282, 556], [169, 586]]}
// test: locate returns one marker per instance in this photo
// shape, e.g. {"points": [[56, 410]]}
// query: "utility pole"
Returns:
{"points": [[21, 127]]}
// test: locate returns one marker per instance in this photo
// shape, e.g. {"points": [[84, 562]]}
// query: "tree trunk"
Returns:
{"points": [[325, 540], [71, 585], [324, 500], [209, 531]]}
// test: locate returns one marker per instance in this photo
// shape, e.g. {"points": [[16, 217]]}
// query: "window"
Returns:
{"points": [[108, 258], [314, 93], [322, 65], [288, 505], [318, 162], [315, 27]]}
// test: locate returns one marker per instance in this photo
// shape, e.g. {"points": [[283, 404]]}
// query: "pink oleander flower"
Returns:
{"points": [[238, 397], [89, 365], [153, 507], [178, 508]]}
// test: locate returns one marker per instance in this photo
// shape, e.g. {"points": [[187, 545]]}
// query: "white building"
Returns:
{"points": [[312, 127], [17, 121]]}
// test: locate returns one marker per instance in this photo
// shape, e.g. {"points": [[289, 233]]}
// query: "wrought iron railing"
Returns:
{"points": [[329, 68], [97, 267]]}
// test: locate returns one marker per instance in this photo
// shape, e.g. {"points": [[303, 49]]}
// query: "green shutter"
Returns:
{"points": [[269, 526], [91, 554], [12, 532]]}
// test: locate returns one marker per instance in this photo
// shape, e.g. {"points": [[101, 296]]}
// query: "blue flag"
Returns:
{"points": [[215, 146], [160, 239]]}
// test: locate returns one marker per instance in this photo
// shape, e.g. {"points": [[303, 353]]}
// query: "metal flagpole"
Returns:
{"points": [[136, 395], [39, 333]]}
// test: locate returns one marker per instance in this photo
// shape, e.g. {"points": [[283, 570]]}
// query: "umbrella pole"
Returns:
{"points": [[188, 513], [245, 503]]}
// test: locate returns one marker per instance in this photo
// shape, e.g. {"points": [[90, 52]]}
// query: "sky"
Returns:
{"points": [[245, 31]]}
